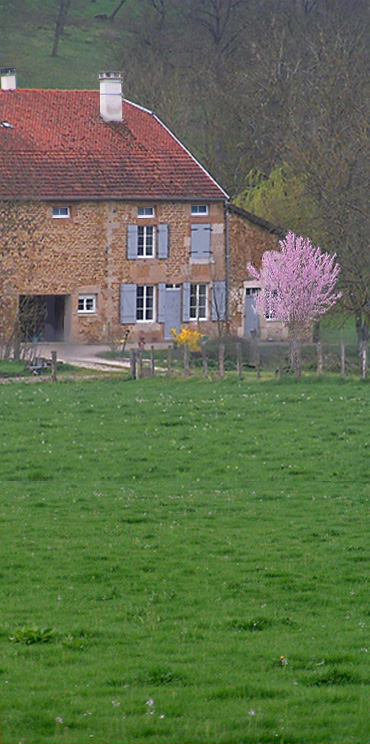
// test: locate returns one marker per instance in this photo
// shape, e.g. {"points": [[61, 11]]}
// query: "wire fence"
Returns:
{"points": [[221, 356]]}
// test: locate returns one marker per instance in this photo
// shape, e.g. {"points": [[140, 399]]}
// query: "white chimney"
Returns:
{"points": [[110, 96], [8, 78]]}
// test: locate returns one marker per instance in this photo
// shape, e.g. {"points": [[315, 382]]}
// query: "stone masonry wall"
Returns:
{"points": [[87, 254], [247, 244]]}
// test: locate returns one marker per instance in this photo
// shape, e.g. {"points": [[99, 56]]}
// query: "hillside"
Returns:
{"points": [[88, 45]]}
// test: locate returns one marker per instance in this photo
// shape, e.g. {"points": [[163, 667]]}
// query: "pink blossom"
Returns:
{"points": [[298, 282]]}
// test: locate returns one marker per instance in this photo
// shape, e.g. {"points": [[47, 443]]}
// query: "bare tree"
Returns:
{"points": [[64, 6]]}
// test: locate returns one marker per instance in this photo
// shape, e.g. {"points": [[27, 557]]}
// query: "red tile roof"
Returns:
{"points": [[58, 147]]}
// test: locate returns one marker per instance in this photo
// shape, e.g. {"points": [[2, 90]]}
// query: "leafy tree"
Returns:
{"points": [[280, 198], [298, 286]]}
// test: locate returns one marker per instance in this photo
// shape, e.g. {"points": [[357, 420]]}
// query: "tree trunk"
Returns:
{"points": [[59, 27], [362, 328], [295, 352], [113, 15], [319, 358]]}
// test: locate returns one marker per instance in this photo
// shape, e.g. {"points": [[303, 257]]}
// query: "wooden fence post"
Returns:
{"points": [[133, 362], [152, 362], [53, 366], [239, 365], [205, 361], [364, 360], [186, 361], [139, 366], [221, 360], [342, 358]]}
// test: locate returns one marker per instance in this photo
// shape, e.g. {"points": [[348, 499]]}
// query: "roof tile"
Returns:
{"points": [[60, 148]]}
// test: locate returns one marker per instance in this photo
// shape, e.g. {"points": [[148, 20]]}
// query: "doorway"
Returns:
{"points": [[251, 320], [42, 317], [172, 311]]}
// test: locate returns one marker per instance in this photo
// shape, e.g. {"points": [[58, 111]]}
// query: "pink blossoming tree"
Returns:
{"points": [[298, 285]]}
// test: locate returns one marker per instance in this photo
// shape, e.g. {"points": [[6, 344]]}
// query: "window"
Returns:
{"points": [[270, 300], [145, 241], [87, 303], [145, 303], [198, 302], [145, 211], [61, 212], [199, 209]]}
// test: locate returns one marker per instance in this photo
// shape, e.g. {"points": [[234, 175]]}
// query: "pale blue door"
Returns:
{"points": [[251, 324], [172, 311]]}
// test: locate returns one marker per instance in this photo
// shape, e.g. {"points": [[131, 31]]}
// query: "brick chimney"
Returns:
{"points": [[8, 78], [110, 96]]}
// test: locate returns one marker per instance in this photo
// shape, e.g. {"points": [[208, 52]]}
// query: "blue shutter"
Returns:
{"points": [[186, 302], [161, 301], [200, 240], [128, 303], [131, 241], [163, 231], [219, 301]]}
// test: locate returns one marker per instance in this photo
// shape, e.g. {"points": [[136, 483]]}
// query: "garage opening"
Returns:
{"points": [[42, 317]]}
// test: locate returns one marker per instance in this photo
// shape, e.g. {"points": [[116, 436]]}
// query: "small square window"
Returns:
{"points": [[145, 211], [61, 212], [199, 209], [87, 303]]}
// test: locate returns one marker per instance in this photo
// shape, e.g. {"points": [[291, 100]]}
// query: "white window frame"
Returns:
{"points": [[86, 299], [194, 314], [145, 288], [145, 230], [199, 210], [57, 213], [145, 212]]}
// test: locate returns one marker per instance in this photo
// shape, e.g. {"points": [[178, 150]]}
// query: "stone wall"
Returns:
{"points": [[86, 253], [249, 238]]}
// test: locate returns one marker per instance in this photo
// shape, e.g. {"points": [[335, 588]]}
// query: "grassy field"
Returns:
{"points": [[185, 561], [87, 46]]}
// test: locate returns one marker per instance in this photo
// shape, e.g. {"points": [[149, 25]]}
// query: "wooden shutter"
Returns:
{"points": [[131, 241], [219, 300], [163, 232], [186, 302], [128, 303], [161, 301], [200, 240]]}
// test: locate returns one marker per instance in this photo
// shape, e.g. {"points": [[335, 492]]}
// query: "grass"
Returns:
{"points": [[10, 368], [185, 561], [87, 46]]}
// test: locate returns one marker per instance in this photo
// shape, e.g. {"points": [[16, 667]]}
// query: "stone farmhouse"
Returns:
{"points": [[109, 224]]}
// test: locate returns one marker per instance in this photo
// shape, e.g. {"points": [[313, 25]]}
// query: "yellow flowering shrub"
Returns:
{"points": [[186, 337]]}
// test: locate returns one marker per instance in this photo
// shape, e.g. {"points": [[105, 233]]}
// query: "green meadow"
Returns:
{"points": [[185, 561]]}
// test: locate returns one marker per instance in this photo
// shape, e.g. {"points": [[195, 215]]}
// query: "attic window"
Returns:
{"points": [[61, 212], [6, 125], [145, 211], [199, 209]]}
